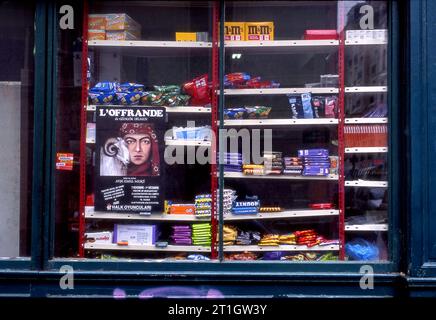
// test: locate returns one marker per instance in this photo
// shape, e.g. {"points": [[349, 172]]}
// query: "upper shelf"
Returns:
{"points": [[369, 89], [365, 42], [366, 120], [271, 91], [151, 48], [183, 109], [283, 46], [280, 122]]}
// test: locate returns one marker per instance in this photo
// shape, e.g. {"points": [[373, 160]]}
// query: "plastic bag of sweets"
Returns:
{"points": [[153, 98], [330, 107], [318, 107], [296, 106], [306, 100], [103, 93], [199, 90], [175, 100], [233, 80], [235, 113], [129, 98], [257, 112], [175, 89], [131, 87], [256, 83]]}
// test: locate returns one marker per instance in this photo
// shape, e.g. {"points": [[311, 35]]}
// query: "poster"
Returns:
{"points": [[129, 159]]}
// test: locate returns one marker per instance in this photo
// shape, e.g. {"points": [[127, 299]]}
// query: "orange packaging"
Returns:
{"points": [[96, 35], [182, 209], [259, 31], [97, 22], [234, 31], [121, 21], [120, 35]]}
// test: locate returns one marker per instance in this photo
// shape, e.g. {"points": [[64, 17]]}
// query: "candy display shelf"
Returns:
{"points": [[369, 89], [280, 122], [196, 143], [283, 46], [366, 227], [366, 120], [369, 184], [365, 42], [172, 248], [149, 44], [151, 48], [271, 91], [367, 150], [184, 109], [279, 248], [240, 175], [283, 214], [151, 217]]}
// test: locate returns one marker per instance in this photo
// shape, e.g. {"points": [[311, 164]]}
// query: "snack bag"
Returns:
{"points": [[199, 90]]}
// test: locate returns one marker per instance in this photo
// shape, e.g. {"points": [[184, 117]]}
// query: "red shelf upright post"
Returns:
{"points": [[214, 118], [341, 120], [83, 123]]}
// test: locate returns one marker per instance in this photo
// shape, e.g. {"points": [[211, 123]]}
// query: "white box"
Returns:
{"points": [[104, 237], [135, 234]]}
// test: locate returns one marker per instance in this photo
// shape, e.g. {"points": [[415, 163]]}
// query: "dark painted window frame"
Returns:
{"points": [[46, 24]]}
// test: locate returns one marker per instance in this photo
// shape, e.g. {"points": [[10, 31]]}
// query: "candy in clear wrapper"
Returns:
{"points": [[131, 87], [102, 98], [257, 112], [129, 98], [199, 90], [234, 113], [175, 89], [330, 107], [296, 106]]}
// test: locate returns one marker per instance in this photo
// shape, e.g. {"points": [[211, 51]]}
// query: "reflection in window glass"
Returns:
{"points": [[16, 105]]}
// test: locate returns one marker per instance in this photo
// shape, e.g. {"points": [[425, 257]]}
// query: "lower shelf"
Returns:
{"points": [[280, 248], [90, 214], [171, 248], [367, 227]]}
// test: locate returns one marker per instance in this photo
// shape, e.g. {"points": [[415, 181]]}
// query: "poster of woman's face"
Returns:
{"points": [[133, 152]]}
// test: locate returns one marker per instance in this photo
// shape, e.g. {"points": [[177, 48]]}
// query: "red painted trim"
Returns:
{"points": [[341, 121], [83, 123], [214, 118]]}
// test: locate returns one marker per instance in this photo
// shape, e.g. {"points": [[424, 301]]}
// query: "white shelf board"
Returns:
{"points": [[365, 42], [283, 214], [184, 109], [198, 143], [172, 248], [283, 46], [280, 122], [151, 217], [364, 183], [271, 91], [90, 141], [256, 248], [369, 89], [366, 120], [149, 44], [240, 175], [367, 150], [366, 227], [155, 49]]}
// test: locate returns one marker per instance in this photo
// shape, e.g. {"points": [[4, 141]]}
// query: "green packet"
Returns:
{"points": [[168, 89]]}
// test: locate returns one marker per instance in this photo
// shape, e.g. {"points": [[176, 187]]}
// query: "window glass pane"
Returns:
{"points": [[148, 119], [16, 105], [312, 185]]}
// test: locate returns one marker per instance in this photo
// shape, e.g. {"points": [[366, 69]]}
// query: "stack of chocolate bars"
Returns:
{"points": [[181, 235], [316, 162], [273, 162]]}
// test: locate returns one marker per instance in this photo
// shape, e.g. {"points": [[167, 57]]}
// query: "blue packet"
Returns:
{"points": [[307, 105]]}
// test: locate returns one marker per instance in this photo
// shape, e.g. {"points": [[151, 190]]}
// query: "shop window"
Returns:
{"points": [[16, 121], [302, 148]]}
